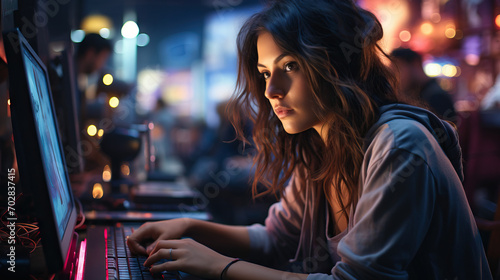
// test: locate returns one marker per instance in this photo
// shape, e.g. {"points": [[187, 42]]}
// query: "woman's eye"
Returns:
{"points": [[291, 66], [265, 75]]}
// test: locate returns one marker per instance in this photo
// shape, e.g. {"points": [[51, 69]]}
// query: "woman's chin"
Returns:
{"points": [[292, 129]]}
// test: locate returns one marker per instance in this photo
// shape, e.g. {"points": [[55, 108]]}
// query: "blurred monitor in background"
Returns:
{"points": [[417, 88], [65, 95]]}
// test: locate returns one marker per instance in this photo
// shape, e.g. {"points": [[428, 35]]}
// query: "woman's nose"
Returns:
{"points": [[275, 87]]}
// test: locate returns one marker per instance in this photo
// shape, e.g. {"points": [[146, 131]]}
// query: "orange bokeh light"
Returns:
{"points": [[405, 35], [426, 28]]}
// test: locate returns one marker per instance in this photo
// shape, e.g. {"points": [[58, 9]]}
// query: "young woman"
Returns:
{"points": [[371, 189]]}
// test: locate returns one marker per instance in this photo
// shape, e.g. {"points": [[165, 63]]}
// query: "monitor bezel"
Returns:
{"points": [[29, 157]]}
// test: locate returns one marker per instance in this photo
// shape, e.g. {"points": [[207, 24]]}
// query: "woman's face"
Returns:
{"points": [[287, 87]]}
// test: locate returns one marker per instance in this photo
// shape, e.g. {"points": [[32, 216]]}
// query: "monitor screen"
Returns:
{"points": [[48, 137], [40, 157]]}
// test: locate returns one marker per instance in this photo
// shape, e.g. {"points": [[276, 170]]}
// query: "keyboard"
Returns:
{"points": [[121, 264]]}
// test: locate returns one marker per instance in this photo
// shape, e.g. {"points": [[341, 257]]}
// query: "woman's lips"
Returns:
{"points": [[282, 112]]}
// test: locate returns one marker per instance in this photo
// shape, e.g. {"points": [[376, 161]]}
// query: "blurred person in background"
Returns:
{"points": [[419, 89], [92, 54]]}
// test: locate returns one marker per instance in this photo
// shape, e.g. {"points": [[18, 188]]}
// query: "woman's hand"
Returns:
{"points": [[144, 239], [188, 256]]}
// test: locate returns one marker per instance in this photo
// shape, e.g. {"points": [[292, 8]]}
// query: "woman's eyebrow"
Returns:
{"points": [[276, 60]]}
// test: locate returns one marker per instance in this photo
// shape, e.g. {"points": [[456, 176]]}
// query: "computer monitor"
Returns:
{"points": [[66, 100], [42, 166]]}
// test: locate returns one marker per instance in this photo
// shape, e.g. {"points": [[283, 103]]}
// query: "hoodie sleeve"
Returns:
{"points": [[276, 243]]}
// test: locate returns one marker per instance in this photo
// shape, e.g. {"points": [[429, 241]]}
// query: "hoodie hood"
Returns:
{"points": [[444, 133]]}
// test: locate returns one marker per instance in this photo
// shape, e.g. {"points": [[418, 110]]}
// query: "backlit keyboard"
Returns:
{"points": [[121, 264]]}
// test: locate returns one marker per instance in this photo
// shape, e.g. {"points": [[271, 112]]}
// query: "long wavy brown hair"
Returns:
{"points": [[335, 45]]}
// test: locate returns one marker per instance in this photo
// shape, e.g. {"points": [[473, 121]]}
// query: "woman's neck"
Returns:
{"points": [[322, 130]]}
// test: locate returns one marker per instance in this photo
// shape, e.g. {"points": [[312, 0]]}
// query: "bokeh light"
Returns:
{"points": [[106, 173], [77, 35], [446, 84], [142, 40], [426, 28], [107, 79], [97, 191], [114, 102], [432, 69], [95, 23], [472, 59], [125, 169], [450, 33], [405, 35], [435, 17], [449, 70], [92, 130], [105, 33], [130, 29]]}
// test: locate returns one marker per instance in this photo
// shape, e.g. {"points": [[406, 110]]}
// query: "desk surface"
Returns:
{"points": [[140, 216]]}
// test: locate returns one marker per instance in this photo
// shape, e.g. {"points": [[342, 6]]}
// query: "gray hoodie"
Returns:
{"points": [[412, 219]]}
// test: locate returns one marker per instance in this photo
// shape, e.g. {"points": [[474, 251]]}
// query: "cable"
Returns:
{"points": [[80, 214], [28, 235]]}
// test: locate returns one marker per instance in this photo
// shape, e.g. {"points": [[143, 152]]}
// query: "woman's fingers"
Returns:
{"points": [[164, 249], [151, 247], [135, 246], [158, 255], [139, 237], [161, 244], [145, 238], [167, 266], [186, 255]]}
